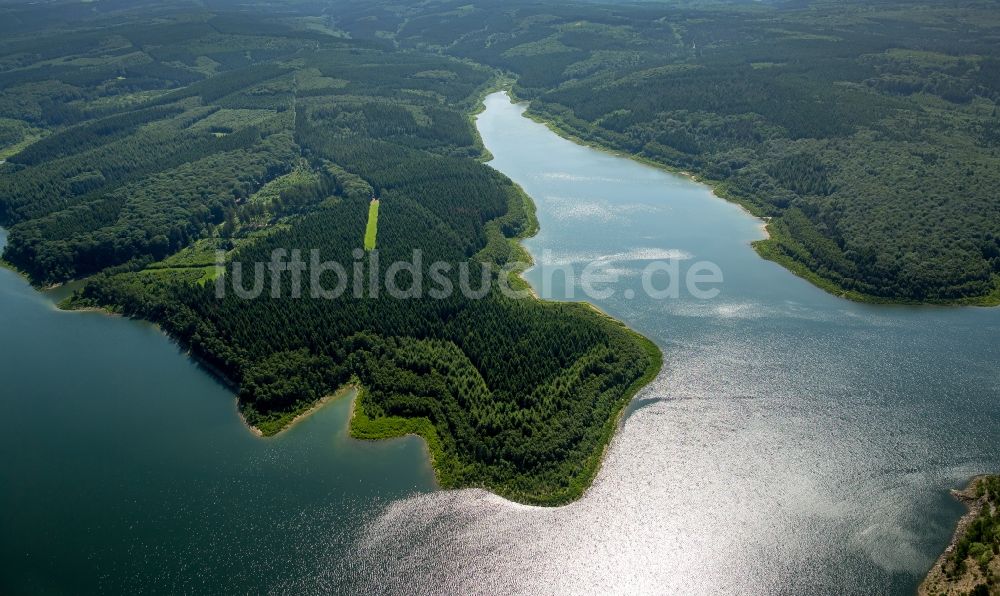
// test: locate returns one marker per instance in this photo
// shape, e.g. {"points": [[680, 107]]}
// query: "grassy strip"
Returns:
{"points": [[195, 274], [12, 150], [371, 229], [364, 427]]}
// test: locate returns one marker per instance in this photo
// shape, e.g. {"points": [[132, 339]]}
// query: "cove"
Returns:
{"points": [[795, 442], [127, 469]]}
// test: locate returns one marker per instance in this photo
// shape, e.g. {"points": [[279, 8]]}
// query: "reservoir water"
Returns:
{"points": [[795, 442], [126, 468]]}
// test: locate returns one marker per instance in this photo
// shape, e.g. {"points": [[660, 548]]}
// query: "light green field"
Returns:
{"points": [[372, 229], [232, 120], [15, 135]]}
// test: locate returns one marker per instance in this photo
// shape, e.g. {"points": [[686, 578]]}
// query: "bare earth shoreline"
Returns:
{"points": [[937, 581], [315, 407]]}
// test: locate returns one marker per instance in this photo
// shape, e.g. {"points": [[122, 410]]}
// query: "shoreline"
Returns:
{"points": [[579, 484], [353, 408], [499, 82], [302, 414], [589, 473], [937, 581], [767, 248], [5, 264]]}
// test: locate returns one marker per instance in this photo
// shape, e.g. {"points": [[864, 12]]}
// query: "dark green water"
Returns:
{"points": [[125, 467], [794, 443]]}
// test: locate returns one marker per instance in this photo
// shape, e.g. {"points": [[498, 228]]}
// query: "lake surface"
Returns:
{"points": [[126, 467], [794, 442]]}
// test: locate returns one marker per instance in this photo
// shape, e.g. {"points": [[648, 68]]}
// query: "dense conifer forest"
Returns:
{"points": [[166, 141], [865, 131], [142, 141]]}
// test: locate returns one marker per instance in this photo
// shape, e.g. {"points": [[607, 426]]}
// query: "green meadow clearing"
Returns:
{"points": [[371, 230]]}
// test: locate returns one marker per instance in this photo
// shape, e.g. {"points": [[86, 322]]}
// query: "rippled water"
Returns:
{"points": [[126, 469], [795, 442]]}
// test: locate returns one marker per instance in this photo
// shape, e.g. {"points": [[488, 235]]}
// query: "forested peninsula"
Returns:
{"points": [[140, 142], [168, 139]]}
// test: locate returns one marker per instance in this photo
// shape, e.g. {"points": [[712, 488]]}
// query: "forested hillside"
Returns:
{"points": [[866, 131], [157, 141], [141, 140]]}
